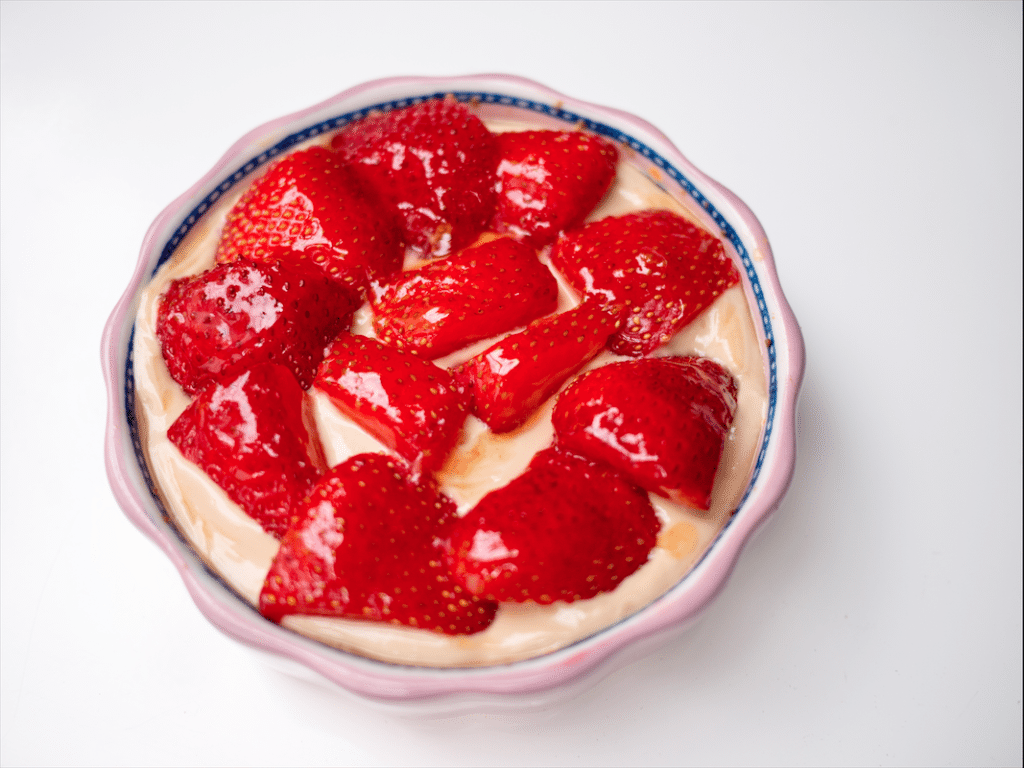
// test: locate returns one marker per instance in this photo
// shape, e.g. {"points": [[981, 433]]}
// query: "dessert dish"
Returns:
{"points": [[620, 273], [499, 438]]}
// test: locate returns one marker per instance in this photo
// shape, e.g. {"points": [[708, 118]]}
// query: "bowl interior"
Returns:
{"points": [[498, 98]]}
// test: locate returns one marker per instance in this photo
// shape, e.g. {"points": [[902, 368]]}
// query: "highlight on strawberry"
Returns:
{"points": [[482, 291], [231, 317], [255, 438], [368, 544], [549, 181], [568, 528], [410, 405], [432, 165], [658, 268], [309, 209], [509, 380], [661, 421]]}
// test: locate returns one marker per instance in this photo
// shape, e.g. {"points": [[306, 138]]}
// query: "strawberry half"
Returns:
{"points": [[566, 529], [513, 377], [548, 181], [480, 292], [233, 316], [661, 421], [411, 405], [308, 208], [369, 545], [255, 438], [433, 164], [661, 269]]}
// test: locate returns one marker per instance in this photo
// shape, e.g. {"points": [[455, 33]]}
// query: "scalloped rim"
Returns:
{"points": [[534, 682]]}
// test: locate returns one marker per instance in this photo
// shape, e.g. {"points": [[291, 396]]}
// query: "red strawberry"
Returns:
{"points": [[307, 207], [480, 292], [369, 545], [660, 268], [566, 529], [254, 436], [434, 164], [513, 377], [215, 324], [411, 405], [661, 421], [548, 181]]}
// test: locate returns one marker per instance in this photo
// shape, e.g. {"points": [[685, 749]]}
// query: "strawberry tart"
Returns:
{"points": [[445, 389]]}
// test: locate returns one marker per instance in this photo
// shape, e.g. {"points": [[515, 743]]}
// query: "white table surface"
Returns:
{"points": [[877, 620]]}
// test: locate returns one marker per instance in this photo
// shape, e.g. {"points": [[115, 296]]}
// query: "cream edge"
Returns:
{"points": [[241, 552]]}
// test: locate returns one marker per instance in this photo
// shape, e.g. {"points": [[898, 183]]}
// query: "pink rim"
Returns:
{"points": [[562, 673]]}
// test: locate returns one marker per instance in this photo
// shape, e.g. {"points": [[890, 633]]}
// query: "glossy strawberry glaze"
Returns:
{"points": [[332, 224], [510, 379], [669, 439], [410, 405], [444, 202], [241, 552], [392, 563], [648, 243], [579, 526], [242, 313], [508, 288], [540, 191], [253, 436]]}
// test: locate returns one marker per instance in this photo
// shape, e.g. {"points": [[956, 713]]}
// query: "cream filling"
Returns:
{"points": [[239, 550]]}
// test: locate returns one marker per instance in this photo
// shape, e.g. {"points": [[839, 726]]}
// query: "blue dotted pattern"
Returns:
{"points": [[335, 123], [133, 423]]}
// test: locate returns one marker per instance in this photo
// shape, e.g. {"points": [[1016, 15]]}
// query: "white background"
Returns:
{"points": [[877, 620]]}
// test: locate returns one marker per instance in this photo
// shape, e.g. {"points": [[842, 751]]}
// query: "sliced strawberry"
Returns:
{"points": [[548, 181], [411, 405], [660, 268], [566, 529], [661, 421], [480, 292], [514, 376], [434, 164], [308, 207], [369, 545], [233, 316], [254, 437]]}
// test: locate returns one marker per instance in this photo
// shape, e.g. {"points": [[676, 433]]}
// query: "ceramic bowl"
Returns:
{"points": [[557, 675]]}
